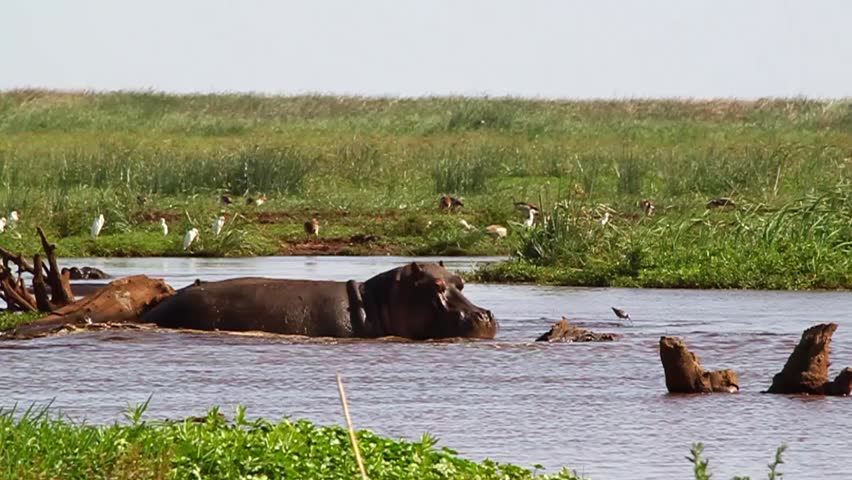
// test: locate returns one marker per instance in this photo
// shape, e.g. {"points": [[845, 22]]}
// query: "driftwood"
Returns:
{"points": [[806, 371], [121, 301], [685, 375], [563, 331], [60, 284]]}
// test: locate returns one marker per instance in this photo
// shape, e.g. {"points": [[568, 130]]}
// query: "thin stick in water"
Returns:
{"points": [[351, 430]]}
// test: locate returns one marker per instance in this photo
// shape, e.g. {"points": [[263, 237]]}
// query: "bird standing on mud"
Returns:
{"points": [[312, 227], [97, 226], [218, 224], [190, 237], [621, 314], [164, 226]]}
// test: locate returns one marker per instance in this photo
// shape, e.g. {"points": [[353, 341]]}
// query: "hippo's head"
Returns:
{"points": [[423, 301]]}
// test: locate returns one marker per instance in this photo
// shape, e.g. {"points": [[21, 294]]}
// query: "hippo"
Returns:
{"points": [[85, 273], [416, 301]]}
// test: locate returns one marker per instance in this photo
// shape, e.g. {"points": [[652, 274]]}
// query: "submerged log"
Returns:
{"points": [[120, 301], [685, 375], [806, 371], [563, 331]]}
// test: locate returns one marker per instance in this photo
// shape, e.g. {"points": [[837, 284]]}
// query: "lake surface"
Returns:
{"points": [[601, 409]]}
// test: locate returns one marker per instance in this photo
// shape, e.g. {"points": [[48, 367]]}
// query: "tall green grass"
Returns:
{"points": [[363, 164]]}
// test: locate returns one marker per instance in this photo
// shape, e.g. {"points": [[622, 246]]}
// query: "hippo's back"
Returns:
{"points": [[299, 307]]}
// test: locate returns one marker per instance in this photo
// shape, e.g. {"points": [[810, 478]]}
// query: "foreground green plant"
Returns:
{"points": [[39, 445]]}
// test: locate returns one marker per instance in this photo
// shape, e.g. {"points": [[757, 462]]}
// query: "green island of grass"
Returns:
{"points": [[37, 444], [371, 171]]}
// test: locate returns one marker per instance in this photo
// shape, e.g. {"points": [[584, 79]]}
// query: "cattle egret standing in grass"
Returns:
{"points": [[2, 224], [466, 225], [13, 218], [530, 218], [496, 231], [217, 225], [605, 219], [164, 226], [97, 226], [190, 237]]}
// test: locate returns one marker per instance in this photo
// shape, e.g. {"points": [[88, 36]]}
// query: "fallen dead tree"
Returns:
{"points": [[51, 287], [685, 375], [123, 300], [806, 370]]}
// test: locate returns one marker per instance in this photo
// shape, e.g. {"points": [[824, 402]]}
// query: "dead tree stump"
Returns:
{"points": [[685, 375], [563, 331], [806, 370]]}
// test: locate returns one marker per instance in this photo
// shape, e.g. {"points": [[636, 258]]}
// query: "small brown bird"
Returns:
{"points": [[649, 208], [312, 227], [721, 202], [256, 201], [226, 199], [447, 202], [621, 314]]}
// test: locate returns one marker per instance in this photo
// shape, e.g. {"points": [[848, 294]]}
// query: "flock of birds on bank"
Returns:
{"points": [[445, 203]]}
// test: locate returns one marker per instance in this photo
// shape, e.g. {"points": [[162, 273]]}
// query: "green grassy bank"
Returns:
{"points": [[36, 445], [371, 170]]}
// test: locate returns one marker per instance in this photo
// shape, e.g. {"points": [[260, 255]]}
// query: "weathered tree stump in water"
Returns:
{"points": [[563, 331], [685, 375], [806, 371], [123, 300]]}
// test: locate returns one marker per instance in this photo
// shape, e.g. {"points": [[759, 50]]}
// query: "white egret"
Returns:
{"points": [[190, 237], [496, 231], [217, 225], [466, 225], [164, 226], [531, 218], [13, 218], [97, 225], [2, 224], [605, 219]]}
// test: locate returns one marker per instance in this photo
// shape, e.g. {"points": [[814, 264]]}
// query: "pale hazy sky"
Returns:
{"points": [[568, 48]]}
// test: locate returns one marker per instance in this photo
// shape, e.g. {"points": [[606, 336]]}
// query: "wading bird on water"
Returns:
{"points": [[621, 314], [164, 226], [218, 224], [190, 237], [97, 226]]}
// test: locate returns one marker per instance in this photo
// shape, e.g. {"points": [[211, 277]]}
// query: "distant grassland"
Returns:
{"points": [[377, 166]]}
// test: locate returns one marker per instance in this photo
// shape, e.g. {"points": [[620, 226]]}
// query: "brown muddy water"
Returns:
{"points": [[601, 409]]}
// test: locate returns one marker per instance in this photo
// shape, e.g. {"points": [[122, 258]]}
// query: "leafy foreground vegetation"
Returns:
{"points": [[36, 445], [371, 170], [10, 320]]}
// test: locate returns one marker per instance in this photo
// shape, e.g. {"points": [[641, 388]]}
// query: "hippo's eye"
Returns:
{"points": [[440, 285]]}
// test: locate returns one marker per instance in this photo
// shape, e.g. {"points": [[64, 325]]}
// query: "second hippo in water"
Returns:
{"points": [[416, 301]]}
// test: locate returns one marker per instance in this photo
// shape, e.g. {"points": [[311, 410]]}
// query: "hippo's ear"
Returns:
{"points": [[441, 263], [416, 269]]}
